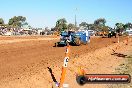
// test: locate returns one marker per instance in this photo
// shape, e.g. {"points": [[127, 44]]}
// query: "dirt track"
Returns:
{"points": [[25, 57]]}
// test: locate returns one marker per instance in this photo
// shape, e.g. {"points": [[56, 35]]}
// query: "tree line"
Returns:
{"points": [[99, 25], [16, 22], [62, 24]]}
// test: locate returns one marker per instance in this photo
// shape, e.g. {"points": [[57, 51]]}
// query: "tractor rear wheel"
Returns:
{"points": [[77, 41]]}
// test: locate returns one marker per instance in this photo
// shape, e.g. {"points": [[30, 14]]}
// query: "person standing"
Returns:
{"points": [[87, 36]]}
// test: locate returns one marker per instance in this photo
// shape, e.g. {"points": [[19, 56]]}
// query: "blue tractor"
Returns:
{"points": [[73, 38]]}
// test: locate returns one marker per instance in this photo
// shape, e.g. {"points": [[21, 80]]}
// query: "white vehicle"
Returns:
{"points": [[129, 32], [8, 34]]}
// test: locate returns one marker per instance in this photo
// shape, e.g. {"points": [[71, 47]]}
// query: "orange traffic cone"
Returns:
{"points": [[64, 67]]}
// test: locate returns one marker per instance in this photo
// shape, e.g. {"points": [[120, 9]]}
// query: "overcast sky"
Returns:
{"points": [[44, 13]]}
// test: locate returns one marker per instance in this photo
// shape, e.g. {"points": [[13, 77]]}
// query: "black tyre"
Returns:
{"points": [[81, 80], [78, 41]]}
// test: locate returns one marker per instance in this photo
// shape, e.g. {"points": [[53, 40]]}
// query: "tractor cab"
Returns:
{"points": [[64, 36]]}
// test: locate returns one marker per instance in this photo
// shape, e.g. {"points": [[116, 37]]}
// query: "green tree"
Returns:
{"points": [[119, 27], [105, 28], [1, 21], [128, 25], [70, 26], [100, 21], [84, 24], [61, 25], [91, 26], [99, 24], [17, 21]]}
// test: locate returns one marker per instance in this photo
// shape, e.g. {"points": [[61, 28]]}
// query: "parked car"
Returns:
{"points": [[127, 32]]}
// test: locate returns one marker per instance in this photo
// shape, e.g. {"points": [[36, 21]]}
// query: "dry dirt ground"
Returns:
{"points": [[24, 60]]}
